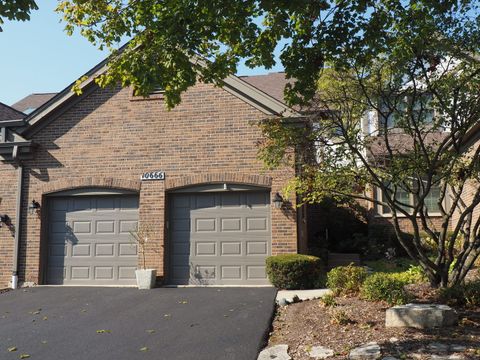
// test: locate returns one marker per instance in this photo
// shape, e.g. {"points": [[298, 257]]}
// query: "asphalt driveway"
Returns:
{"points": [[124, 323]]}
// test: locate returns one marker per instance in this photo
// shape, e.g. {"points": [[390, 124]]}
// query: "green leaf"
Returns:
{"points": [[144, 348], [13, 348]]}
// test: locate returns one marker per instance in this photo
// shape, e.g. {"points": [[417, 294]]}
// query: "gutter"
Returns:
{"points": [[18, 215]]}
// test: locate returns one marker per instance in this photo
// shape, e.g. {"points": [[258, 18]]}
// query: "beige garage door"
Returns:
{"points": [[219, 238], [89, 241]]}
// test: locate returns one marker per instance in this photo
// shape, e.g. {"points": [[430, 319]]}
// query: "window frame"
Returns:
{"points": [[379, 209]]}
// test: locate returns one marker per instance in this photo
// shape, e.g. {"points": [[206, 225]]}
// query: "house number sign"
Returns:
{"points": [[153, 175]]}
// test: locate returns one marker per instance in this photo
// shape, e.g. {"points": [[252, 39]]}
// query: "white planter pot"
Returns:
{"points": [[146, 278]]}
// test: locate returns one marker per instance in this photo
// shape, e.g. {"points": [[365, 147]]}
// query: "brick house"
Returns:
{"points": [[71, 182]]}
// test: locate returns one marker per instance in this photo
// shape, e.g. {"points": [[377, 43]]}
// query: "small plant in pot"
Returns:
{"points": [[145, 277]]}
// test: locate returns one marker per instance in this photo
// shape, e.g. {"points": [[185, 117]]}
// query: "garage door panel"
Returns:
{"points": [[93, 245], [126, 272], [205, 249], [205, 225], [231, 224], [229, 272], [206, 272], [231, 248], [227, 243], [104, 272], [105, 227], [127, 249], [57, 250], [181, 225], [82, 227], [81, 250], [256, 272], [105, 249], [126, 226], [257, 248], [257, 224]]}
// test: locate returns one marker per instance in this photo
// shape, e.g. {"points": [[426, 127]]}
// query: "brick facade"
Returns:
{"points": [[108, 140]]}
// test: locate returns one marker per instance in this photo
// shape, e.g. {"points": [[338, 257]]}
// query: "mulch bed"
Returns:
{"points": [[309, 323]]}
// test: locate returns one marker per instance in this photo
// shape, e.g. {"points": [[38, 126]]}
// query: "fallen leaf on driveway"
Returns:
{"points": [[43, 342], [150, 331], [144, 348], [103, 331], [24, 356], [183, 302], [45, 318], [167, 315], [13, 348]]}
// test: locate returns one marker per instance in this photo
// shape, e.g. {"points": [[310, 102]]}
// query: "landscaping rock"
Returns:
{"points": [[437, 347], [320, 352], [370, 351], [283, 302], [447, 357], [421, 316], [302, 294], [457, 348], [277, 352]]}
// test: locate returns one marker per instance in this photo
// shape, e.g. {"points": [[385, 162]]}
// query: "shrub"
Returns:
{"points": [[294, 271], [462, 295], [346, 280], [328, 301], [386, 287], [340, 317], [414, 274]]}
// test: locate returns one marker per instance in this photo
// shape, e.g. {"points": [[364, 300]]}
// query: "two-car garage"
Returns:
{"points": [[214, 237]]}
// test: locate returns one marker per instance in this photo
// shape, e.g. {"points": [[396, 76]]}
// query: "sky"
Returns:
{"points": [[37, 56]]}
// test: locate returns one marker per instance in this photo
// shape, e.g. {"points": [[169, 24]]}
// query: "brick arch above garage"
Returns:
{"points": [[90, 182], [209, 178]]}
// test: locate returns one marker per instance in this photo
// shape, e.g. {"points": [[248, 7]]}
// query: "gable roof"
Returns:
{"points": [[32, 102], [9, 113], [272, 84], [269, 104]]}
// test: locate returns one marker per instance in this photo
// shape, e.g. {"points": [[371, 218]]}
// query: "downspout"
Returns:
{"points": [[17, 218]]}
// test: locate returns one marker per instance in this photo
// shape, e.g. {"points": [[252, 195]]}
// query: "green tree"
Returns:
{"points": [[16, 10], [172, 34]]}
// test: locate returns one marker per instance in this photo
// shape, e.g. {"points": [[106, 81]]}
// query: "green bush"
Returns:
{"points": [[346, 280], [294, 271], [413, 275], [462, 295], [386, 287], [403, 269]]}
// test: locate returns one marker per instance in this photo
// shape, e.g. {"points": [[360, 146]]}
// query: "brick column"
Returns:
{"points": [[152, 213]]}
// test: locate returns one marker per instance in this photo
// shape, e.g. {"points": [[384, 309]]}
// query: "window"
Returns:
{"points": [[403, 196], [391, 112]]}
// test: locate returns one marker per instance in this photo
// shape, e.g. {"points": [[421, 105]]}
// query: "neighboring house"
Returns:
{"points": [[10, 113], [77, 174], [32, 102]]}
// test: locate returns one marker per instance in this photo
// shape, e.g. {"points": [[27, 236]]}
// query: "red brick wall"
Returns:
{"points": [[210, 135], [8, 190]]}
